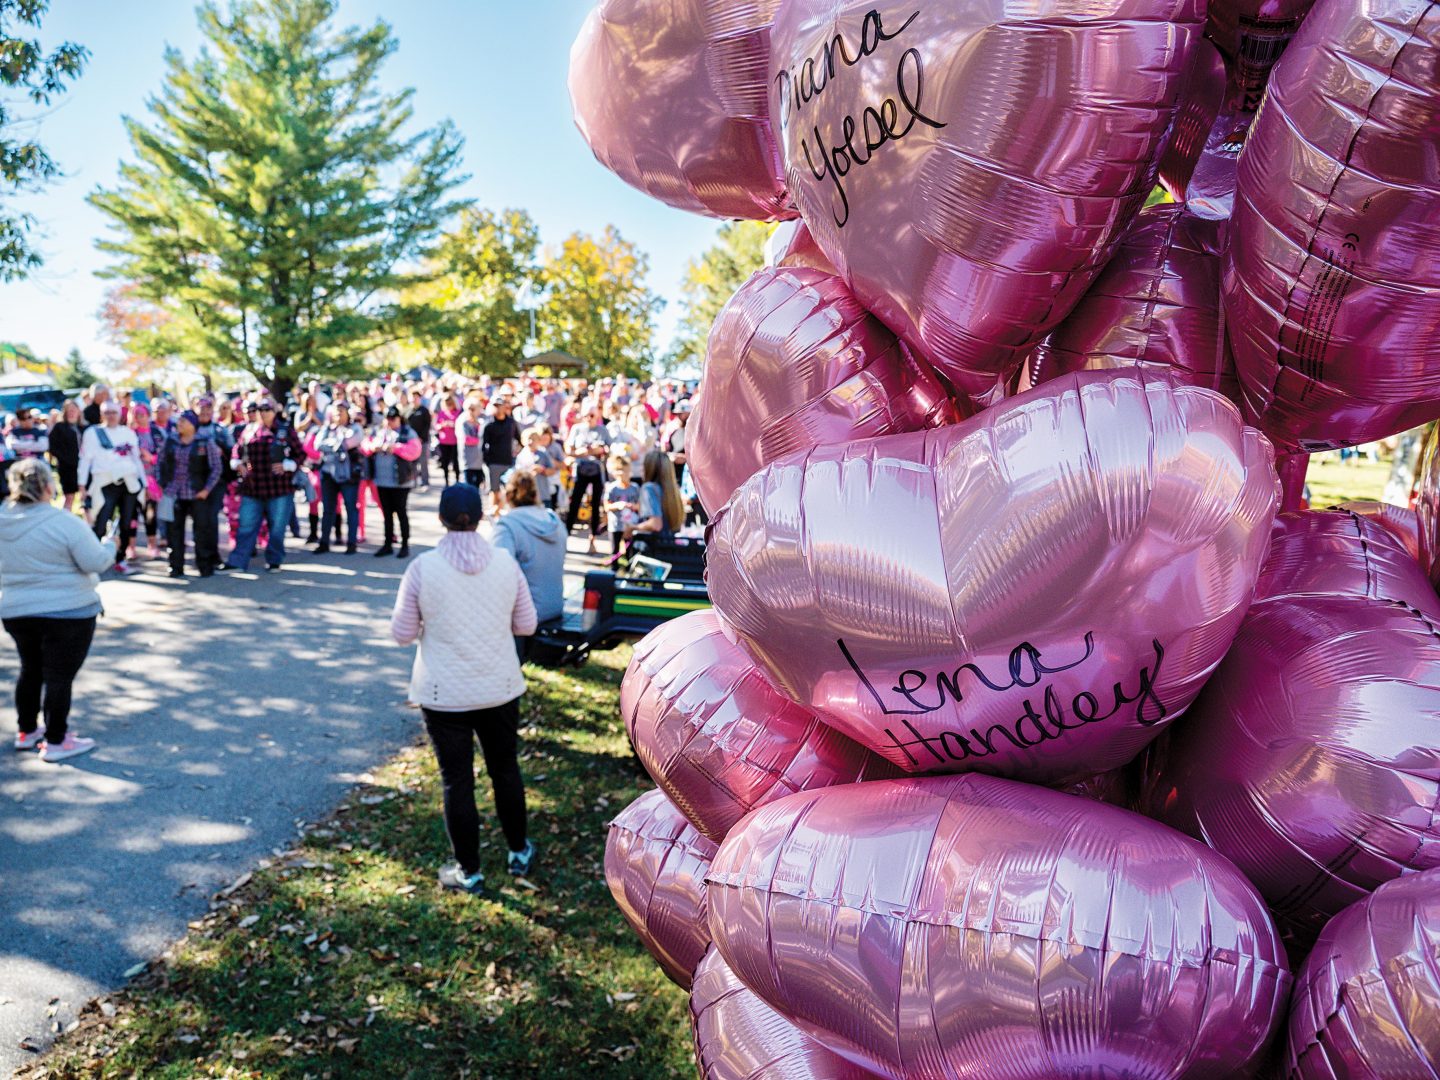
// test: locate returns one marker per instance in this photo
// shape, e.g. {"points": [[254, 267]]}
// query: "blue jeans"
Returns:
{"points": [[347, 492], [276, 512]]}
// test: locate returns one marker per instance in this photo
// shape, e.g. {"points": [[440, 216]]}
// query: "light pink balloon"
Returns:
{"points": [[655, 865], [1367, 1000], [717, 737], [1332, 290], [977, 927], [1312, 758], [1036, 592], [794, 361], [1201, 96], [792, 245], [739, 1037], [969, 167], [672, 96], [1156, 305]]}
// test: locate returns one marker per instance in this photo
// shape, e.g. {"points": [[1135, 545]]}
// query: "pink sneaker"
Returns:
{"points": [[30, 741], [123, 568], [73, 746]]}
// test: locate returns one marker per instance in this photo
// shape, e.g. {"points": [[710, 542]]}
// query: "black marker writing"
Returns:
{"points": [[1033, 726], [877, 126], [802, 85]]}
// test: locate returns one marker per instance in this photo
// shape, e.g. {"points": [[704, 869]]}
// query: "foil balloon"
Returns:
{"points": [[794, 361], [1427, 505], [1312, 759], [1399, 521], [1037, 591], [977, 927], [1252, 34], [1155, 305], [791, 244], [671, 95], [717, 737], [1201, 97], [1332, 289], [1367, 1000], [969, 167], [739, 1037], [655, 865]]}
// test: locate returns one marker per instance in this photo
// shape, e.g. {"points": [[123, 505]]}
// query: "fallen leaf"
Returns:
{"points": [[134, 970], [405, 890], [247, 922], [624, 995]]}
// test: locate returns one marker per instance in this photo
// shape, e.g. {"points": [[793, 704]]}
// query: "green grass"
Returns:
{"points": [[1332, 481], [352, 962]]}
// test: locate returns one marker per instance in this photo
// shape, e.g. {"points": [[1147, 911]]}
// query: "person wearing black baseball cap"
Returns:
{"points": [[462, 604]]}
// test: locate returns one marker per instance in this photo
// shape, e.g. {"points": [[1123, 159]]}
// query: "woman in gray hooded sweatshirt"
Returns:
{"points": [[49, 567], [536, 537]]}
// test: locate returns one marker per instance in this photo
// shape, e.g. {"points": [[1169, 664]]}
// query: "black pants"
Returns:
{"points": [[453, 735], [394, 503], [117, 497], [51, 654], [449, 461], [207, 546], [577, 496], [207, 555], [475, 478]]}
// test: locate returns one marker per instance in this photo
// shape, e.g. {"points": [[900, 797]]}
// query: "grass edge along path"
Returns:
{"points": [[343, 958]]}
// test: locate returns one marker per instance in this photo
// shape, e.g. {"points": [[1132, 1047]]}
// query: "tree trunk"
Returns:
{"points": [[281, 383]]}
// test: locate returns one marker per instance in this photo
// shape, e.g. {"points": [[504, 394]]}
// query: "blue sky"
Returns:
{"points": [[496, 69]]}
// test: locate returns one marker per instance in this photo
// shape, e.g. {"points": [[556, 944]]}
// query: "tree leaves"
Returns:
{"points": [[277, 211]]}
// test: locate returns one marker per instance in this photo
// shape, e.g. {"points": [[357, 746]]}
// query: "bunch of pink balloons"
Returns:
{"points": [[1028, 738]]}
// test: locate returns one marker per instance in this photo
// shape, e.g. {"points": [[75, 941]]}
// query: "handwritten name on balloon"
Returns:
{"points": [[887, 122], [924, 693]]}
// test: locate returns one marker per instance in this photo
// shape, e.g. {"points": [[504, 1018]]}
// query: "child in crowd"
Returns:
{"points": [[622, 501]]}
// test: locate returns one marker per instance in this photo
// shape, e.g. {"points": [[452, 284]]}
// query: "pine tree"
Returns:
{"points": [[277, 209]]}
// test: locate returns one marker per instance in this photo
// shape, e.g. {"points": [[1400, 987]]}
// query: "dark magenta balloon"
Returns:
{"points": [[717, 737], [968, 168], [672, 96], [970, 926], [793, 361], [1312, 757], [1332, 290], [1366, 1004]]}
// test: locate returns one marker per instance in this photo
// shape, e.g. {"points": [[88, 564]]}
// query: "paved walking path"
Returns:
{"points": [[227, 711]]}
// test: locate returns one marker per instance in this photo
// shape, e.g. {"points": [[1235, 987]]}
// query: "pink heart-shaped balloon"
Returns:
{"points": [[1366, 999], [1156, 305], [717, 737], [968, 167], [655, 865], [977, 927], [1037, 591], [1332, 289], [671, 95], [1312, 758], [1399, 521], [739, 1037], [794, 361]]}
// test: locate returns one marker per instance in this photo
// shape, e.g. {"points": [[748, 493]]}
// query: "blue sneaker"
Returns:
{"points": [[520, 862], [453, 876]]}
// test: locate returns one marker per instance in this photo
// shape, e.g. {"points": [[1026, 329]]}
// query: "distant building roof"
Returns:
{"points": [[557, 359]]}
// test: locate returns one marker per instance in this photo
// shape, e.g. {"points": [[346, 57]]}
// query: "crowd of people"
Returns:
{"points": [[608, 457], [510, 450]]}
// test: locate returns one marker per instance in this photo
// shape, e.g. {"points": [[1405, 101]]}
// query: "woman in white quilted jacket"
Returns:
{"points": [[464, 603]]}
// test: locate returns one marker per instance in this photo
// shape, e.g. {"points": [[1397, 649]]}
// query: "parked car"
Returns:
{"points": [[25, 389], [622, 607]]}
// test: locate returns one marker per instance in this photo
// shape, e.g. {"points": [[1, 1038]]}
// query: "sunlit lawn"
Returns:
{"points": [[1332, 481], [346, 960]]}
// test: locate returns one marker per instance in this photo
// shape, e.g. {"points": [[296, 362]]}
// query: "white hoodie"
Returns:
{"points": [[120, 464]]}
